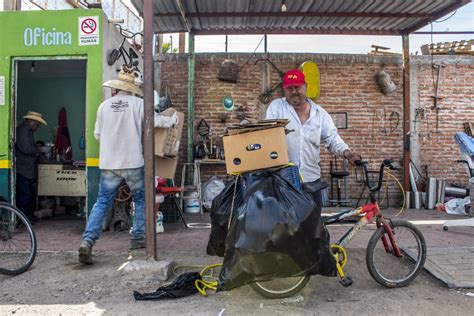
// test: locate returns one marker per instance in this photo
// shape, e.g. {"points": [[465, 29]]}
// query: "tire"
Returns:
{"points": [[113, 56], [17, 241], [281, 288], [389, 270]]}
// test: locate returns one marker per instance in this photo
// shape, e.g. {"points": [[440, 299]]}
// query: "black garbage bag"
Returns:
{"points": [[277, 232], [182, 286], [220, 214]]}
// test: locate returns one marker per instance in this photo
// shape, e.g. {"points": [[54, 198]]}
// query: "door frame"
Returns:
{"points": [[13, 109]]}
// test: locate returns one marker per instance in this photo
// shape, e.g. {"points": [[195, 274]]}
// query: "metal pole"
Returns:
{"points": [[191, 61], [406, 113], [226, 42], [148, 130], [265, 48]]}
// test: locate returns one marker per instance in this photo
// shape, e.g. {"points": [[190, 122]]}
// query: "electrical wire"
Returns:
{"points": [[439, 21], [207, 282], [208, 279], [401, 189]]}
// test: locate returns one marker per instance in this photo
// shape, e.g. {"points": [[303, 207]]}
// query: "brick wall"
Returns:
{"points": [[375, 121], [438, 150]]}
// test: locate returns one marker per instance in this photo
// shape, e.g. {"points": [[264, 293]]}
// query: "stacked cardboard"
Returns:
{"points": [[167, 142]]}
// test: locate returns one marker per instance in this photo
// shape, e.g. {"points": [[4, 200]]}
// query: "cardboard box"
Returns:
{"points": [[167, 139], [255, 150], [165, 167]]}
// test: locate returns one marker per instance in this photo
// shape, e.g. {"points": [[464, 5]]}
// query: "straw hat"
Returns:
{"points": [[125, 81], [35, 116]]}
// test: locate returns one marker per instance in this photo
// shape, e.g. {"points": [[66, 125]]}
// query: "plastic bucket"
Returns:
{"points": [[191, 204]]}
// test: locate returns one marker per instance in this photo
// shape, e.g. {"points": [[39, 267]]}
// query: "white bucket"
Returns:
{"points": [[190, 194], [191, 204]]}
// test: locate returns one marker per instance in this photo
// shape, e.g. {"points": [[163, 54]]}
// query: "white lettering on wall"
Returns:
{"points": [[40, 37]]}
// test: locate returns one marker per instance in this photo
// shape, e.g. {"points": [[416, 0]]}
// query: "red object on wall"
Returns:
{"points": [[62, 140]]}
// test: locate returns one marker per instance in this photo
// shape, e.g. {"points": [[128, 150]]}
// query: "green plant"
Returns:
{"points": [[167, 48]]}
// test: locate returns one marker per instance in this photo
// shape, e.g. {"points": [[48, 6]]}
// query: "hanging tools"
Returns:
{"points": [[436, 98]]}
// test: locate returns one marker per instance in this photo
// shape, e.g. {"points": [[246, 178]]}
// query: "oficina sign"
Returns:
{"points": [[41, 37]]}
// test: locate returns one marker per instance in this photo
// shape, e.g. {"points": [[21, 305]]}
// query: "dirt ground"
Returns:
{"points": [[57, 284]]}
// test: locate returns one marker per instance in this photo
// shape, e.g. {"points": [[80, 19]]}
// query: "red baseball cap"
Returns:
{"points": [[293, 77]]}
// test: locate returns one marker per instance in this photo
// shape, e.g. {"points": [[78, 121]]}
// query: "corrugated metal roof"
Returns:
{"points": [[370, 17]]}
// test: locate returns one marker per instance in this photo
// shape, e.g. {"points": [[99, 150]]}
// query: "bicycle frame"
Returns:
{"points": [[370, 213]]}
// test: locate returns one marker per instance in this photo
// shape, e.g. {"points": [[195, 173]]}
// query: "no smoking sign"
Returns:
{"points": [[89, 30]]}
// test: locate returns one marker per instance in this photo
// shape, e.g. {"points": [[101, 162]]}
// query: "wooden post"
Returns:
{"points": [[148, 130]]}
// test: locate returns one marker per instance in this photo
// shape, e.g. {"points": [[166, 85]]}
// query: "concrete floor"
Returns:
{"points": [[63, 233]]}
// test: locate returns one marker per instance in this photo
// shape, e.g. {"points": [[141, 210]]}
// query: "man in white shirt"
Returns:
{"points": [[118, 127], [311, 124]]}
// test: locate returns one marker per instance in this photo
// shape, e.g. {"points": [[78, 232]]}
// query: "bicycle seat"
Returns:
{"points": [[314, 186], [339, 174]]}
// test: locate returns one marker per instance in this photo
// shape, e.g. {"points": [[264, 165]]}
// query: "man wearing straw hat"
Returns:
{"points": [[26, 152], [118, 127]]}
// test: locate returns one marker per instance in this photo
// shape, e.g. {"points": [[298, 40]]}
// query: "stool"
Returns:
{"points": [[172, 191], [191, 183], [338, 175]]}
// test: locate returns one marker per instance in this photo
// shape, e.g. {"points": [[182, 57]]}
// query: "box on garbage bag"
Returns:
{"points": [[255, 150]]}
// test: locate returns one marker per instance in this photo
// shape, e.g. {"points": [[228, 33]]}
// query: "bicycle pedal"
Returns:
{"points": [[346, 282]]}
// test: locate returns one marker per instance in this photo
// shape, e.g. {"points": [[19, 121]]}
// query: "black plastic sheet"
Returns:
{"points": [[276, 232], [220, 215], [181, 287]]}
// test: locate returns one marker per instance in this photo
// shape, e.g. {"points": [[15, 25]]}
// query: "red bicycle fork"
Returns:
{"points": [[381, 221]]}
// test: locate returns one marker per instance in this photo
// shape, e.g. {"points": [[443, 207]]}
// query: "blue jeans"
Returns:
{"points": [[110, 181], [25, 195]]}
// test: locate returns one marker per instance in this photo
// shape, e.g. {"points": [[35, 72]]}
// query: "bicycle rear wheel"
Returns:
{"points": [[388, 269], [17, 241], [281, 287]]}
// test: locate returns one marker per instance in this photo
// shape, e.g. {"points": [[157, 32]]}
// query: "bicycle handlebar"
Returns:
{"points": [[364, 163], [124, 31]]}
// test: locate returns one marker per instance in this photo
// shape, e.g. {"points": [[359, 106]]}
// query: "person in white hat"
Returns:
{"points": [[118, 127], [25, 158]]}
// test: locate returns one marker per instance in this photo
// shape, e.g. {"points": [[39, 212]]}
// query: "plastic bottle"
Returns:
{"points": [[159, 223]]}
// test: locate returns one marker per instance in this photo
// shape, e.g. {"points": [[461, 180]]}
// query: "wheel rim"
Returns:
{"points": [[16, 242], [393, 269], [281, 285]]}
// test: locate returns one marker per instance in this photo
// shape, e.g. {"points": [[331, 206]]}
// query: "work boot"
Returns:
{"points": [[85, 253], [136, 244]]}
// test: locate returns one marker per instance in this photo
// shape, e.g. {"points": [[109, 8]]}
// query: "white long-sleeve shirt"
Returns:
{"points": [[305, 142], [119, 127]]}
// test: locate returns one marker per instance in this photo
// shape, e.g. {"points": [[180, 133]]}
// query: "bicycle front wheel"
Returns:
{"points": [[388, 269], [281, 287], [17, 241]]}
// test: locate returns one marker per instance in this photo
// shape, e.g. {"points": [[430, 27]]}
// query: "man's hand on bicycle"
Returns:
{"points": [[352, 157]]}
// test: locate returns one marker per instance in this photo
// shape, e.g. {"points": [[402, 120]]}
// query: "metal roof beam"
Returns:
{"points": [[436, 16], [182, 12], [294, 31], [292, 14]]}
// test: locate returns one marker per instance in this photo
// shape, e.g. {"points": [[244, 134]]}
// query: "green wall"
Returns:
{"points": [[15, 28], [47, 96]]}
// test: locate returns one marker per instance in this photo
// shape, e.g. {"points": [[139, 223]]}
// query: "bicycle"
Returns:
{"points": [[17, 240], [386, 244], [127, 57]]}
